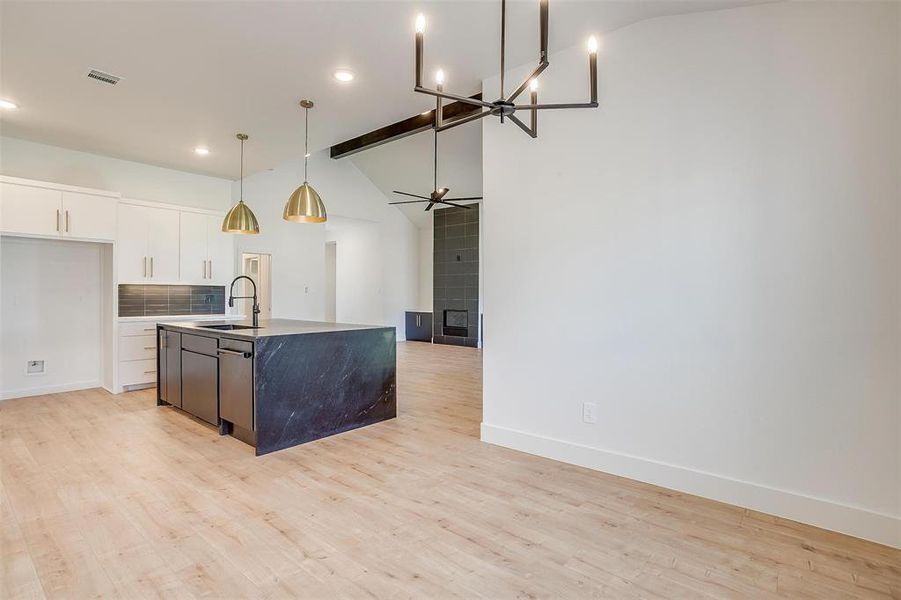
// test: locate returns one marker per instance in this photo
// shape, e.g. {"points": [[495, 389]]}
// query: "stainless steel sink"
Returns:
{"points": [[229, 327]]}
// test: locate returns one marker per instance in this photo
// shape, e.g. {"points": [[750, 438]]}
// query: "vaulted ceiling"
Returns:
{"points": [[195, 73]]}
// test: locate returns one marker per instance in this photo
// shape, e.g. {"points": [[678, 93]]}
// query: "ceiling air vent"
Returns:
{"points": [[104, 77]]}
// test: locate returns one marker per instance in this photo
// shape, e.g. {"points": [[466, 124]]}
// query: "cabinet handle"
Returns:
{"points": [[67, 220], [151, 266], [149, 372], [149, 329], [145, 266], [211, 267], [234, 352], [149, 347], [57, 219]]}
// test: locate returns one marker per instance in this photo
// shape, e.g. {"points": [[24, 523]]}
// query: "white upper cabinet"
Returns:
{"points": [[221, 250], [43, 210], [207, 254], [148, 244], [89, 217], [193, 242], [156, 243], [132, 249], [162, 245], [29, 210]]}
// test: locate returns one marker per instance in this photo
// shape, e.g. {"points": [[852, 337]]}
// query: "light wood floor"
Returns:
{"points": [[110, 496]]}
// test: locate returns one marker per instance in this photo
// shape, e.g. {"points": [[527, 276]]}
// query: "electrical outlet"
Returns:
{"points": [[34, 367], [589, 412]]}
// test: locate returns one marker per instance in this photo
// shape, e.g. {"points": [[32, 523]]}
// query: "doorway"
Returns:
{"points": [[331, 281], [257, 266]]}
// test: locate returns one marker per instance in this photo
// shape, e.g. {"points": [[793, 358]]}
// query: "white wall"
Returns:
{"points": [[21, 158], [426, 268], [358, 270], [720, 268], [50, 298], [30, 160], [298, 249]]}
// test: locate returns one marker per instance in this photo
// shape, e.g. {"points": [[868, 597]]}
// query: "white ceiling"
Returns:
{"points": [[195, 73], [406, 165]]}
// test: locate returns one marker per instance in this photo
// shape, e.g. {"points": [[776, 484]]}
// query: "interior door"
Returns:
{"points": [[163, 244], [132, 244], [193, 242], [221, 252], [30, 210], [88, 216]]}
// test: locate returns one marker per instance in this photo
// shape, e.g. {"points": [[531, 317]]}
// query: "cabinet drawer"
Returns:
{"points": [[236, 345], [137, 347], [137, 328], [133, 372], [199, 343]]}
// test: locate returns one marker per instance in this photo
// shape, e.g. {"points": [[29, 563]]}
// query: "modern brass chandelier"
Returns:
{"points": [[506, 106]]}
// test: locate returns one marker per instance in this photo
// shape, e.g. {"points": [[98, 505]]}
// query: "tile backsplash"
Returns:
{"points": [[157, 300]]}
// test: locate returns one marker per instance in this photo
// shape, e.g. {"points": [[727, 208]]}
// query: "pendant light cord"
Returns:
{"points": [[306, 140], [241, 198]]}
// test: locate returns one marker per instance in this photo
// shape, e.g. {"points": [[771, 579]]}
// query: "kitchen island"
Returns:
{"points": [[281, 384]]}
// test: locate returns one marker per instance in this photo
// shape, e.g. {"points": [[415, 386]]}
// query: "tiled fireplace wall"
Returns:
{"points": [[456, 272], [156, 300]]}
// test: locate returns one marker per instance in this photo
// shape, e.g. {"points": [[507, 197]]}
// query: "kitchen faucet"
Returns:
{"points": [[232, 297]]}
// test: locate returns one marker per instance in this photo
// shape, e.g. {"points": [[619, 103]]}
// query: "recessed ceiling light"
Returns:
{"points": [[8, 105], [343, 75], [200, 150]]}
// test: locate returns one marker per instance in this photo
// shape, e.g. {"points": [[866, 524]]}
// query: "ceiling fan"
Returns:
{"points": [[438, 194]]}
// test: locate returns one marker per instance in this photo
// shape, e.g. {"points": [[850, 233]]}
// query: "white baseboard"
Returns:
{"points": [[50, 389], [878, 527]]}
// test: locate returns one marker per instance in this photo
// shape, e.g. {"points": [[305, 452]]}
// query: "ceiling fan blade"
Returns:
{"points": [[413, 195], [466, 206], [429, 207], [466, 198], [409, 202]]}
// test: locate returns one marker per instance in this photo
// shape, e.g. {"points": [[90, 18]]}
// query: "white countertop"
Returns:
{"points": [[157, 318]]}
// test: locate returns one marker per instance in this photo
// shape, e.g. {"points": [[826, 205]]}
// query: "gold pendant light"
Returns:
{"points": [[305, 205], [240, 219]]}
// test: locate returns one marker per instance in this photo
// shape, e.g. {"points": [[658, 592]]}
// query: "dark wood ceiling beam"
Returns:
{"points": [[401, 129]]}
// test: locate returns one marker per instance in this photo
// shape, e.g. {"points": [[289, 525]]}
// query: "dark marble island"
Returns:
{"points": [[282, 384]]}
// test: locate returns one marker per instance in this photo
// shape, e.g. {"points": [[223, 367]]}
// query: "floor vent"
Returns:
{"points": [[104, 77]]}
